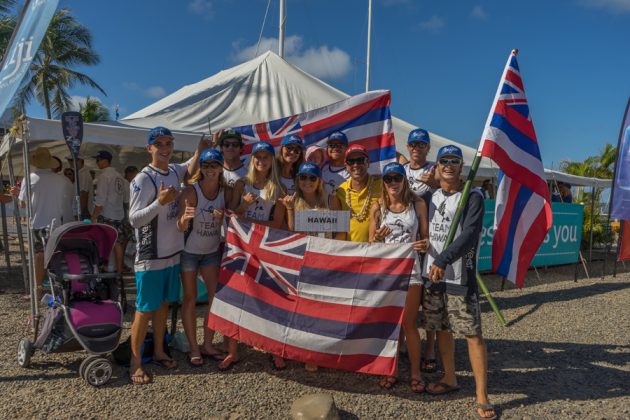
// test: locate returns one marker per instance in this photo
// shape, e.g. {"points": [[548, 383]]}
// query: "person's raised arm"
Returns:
{"points": [[186, 209]]}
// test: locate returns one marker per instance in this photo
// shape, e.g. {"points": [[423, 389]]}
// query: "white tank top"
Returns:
{"points": [[333, 177], [289, 184], [261, 209], [205, 234], [404, 225], [418, 188]]}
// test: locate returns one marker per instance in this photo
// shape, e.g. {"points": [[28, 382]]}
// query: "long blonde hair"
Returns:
{"points": [[199, 176], [320, 194], [407, 196], [272, 189], [294, 166]]}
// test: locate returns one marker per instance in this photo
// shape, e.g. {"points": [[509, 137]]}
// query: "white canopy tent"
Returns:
{"points": [[262, 89]]}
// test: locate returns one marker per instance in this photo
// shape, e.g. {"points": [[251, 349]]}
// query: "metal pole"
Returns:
{"points": [[281, 35], [5, 227], [17, 217], [590, 241], [369, 47], [29, 213]]}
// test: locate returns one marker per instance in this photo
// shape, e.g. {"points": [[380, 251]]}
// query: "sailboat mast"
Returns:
{"points": [[369, 47], [281, 35]]}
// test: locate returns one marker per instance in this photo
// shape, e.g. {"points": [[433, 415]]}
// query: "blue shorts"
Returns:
{"points": [[192, 262], [155, 287]]}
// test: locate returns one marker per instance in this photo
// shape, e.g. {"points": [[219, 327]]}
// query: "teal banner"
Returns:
{"points": [[561, 245]]}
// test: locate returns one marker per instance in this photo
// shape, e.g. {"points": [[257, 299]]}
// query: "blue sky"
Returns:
{"points": [[441, 59]]}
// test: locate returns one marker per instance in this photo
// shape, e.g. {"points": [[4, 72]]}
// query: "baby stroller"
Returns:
{"points": [[83, 312]]}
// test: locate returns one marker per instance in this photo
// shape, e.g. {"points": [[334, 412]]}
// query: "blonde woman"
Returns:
{"points": [[201, 210], [258, 198], [290, 158], [397, 218]]}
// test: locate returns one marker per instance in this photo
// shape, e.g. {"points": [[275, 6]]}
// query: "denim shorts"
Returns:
{"points": [[192, 262]]}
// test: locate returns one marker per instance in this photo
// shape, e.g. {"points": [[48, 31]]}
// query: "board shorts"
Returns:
{"points": [[157, 281], [458, 314]]}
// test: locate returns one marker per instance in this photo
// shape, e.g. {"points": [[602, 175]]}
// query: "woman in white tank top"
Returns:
{"points": [[201, 211], [397, 218]]}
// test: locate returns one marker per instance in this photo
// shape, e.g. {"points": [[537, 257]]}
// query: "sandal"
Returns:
{"points": [[428, 365], [133, 378], [195, 361], [230, 363], [388, 382], [443, 388], [218, 356], [484, 408], [166, 363], [418, 386]]}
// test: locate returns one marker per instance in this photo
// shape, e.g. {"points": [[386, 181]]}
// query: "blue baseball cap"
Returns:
{"points": [[310, 169], [211, 154], [103, 154], [263, 146], [292, 139], [338, 136], [158, 133], [450, 150], [394, 167], [419, 134]]}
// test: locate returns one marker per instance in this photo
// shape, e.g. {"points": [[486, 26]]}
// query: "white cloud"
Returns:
{"points": [[150, 92], [204, 8], [324, 61], [612, 6], [479, 13], [432, 25]]}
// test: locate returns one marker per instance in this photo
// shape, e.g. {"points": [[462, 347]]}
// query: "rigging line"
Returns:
{"points": [[262, 27]]}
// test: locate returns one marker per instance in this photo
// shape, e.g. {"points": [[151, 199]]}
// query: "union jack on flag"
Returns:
{"points": [[523, 212], [272, 131]]}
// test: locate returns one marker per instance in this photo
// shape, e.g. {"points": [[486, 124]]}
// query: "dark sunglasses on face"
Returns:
{"points": [[418, 145], [294, 150], [234, 144], [305, 177], [211, 165], [356, 161], [451, 161], [339, 146], [388, 179]]}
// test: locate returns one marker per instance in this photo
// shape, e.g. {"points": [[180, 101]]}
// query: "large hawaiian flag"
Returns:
{"points": [[334, 303], [365, 119]]}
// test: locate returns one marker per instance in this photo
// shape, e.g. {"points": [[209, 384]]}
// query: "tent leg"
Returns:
{"points": [[502, 283], [537, 274], [5, 234], [18, 223], [575, 272], [584, 264], [590, 234]]}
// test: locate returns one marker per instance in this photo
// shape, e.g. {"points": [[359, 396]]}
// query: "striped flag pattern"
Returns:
{"points": [[364, 118], [283, 293], [523, 212]]}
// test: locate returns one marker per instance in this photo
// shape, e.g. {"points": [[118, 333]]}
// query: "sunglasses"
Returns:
{"points": [[451, 161], [388, 179], [296, 150], [417, 145], [356, 161], [234, 144], [211, 165], [338, 146], [305, 177]]}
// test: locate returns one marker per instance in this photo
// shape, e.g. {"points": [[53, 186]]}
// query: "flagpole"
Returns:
{"points": [[466, 194], [369, 47]]}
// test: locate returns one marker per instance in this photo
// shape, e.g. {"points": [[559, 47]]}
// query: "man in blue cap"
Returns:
{"points": [[420, 172], [450, 300], [334, 172], [109, 202]]}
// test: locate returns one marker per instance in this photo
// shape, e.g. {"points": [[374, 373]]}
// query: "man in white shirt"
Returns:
{"points": [[108, 202], [49, 201], [334, 172], [86, 183]]}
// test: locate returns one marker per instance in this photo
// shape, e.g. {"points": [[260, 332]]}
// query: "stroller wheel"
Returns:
{"points": [[24, 352], [85, 363], [98, 372]]}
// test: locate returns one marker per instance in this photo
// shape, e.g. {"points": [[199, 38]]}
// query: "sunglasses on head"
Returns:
{"points": [[296, 150], [356, 161], [211, 165], [397, 178], [234, 144], [336, 145], [305, 177], [450, 161], [418, 145]]}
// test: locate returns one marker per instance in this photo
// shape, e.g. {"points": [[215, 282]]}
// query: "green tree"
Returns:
{"points": [[7, 23], [67, 43], [93, 110]]}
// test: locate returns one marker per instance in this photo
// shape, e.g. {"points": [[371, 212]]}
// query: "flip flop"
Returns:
{"points": [[191, 361], [219, 356], [417, 383], [230, 365], [388, 382], [142, 375], [445, 388], [484, 408], [166, 363]]}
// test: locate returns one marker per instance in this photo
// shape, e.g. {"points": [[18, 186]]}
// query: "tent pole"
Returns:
{"points": [[281, 35], [590, 241], [17, 217], [369, 47]]}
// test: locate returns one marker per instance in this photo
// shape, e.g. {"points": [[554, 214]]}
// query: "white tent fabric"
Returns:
{"points": [[262, 89]]}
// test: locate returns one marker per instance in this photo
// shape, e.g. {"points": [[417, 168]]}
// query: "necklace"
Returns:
{"points": [[362, 215]]}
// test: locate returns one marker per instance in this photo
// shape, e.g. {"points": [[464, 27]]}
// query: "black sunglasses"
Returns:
{"points": [[451, 161], [336, 146], [388, 179], [305, 177], [417, 145], [234, 144], [356, 161], [211, 165], [296, 150]]}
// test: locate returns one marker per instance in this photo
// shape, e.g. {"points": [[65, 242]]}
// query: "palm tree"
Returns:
{"points": [[67, 43], [7, 23], [93, 110]]}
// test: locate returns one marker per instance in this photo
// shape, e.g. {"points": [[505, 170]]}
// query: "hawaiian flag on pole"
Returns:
{"points": [[364, 118], [523, 212], [283, 293]]}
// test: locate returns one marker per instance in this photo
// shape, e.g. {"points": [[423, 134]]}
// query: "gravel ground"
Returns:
{"points": [[565, 354]]}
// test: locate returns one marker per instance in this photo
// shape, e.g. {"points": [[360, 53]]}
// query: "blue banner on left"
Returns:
{"points": [[27, 37]]}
